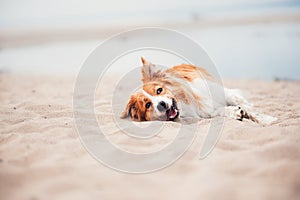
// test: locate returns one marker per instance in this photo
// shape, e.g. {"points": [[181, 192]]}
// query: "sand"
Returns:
{"points": [[41, 156]]}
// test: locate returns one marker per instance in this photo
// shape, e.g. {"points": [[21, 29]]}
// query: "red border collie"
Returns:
{"points": [[185, 91]]}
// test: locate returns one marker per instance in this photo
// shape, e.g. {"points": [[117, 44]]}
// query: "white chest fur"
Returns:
{"points": [[211, 97]]}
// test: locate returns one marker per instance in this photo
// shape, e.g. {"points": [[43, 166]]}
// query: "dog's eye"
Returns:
{"points": [[148, 105], [159, 90]]}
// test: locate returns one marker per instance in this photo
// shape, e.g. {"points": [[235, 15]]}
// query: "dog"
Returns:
{"points": [[185, 91]]}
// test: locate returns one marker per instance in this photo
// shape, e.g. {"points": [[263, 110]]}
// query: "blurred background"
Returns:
{"points": [[253, 39]]}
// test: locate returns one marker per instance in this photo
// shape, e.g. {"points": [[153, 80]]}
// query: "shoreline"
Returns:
{"points": [[19, 38]]}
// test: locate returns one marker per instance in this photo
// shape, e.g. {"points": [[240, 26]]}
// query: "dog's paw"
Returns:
{"points": [[236, 112], [240, 113], [263, 119]]}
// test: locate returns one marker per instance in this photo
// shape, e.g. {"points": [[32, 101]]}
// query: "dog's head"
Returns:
{"points": [[154, 101]]}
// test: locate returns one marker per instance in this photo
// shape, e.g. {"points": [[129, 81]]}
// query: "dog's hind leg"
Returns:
{"points": [[234, 97], [239, 108], [234, 112]]}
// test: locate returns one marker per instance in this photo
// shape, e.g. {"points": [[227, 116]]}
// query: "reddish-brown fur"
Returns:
{"points": [[188, 72], [136, 108], [168, 80]]}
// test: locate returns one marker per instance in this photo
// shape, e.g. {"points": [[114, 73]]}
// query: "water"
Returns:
{"points": [[261, 51]]}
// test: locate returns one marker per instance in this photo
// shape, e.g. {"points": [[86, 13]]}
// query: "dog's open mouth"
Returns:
{"points": [[173, 112]]}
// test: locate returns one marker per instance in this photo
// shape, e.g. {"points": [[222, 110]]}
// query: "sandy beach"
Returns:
{"points": [[41, 156]]}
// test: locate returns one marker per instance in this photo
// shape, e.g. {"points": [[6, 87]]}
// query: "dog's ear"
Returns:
{"points": [[130, 105], [145, 62], [149, 71]]}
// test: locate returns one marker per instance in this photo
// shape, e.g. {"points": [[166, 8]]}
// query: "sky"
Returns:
{"points": [[57, 14]]}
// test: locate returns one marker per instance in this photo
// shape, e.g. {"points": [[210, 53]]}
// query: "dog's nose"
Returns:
{"points": [[161, 106]]}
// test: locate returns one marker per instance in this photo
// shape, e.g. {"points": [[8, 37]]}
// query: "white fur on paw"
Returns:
{"points": [[240, 113], [257, 117], [235, 112]]}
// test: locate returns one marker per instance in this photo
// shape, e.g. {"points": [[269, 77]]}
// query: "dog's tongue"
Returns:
{"points": [[172, 113]]}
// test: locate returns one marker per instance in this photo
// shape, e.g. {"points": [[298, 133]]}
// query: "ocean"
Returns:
{"points": [[254, 50]]}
